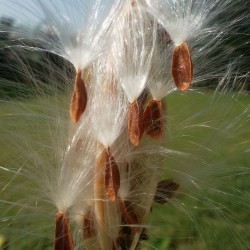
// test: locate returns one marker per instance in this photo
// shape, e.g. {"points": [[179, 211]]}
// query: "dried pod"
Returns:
{"points": [[128, 215], [112, 177], [152, 119], [63, 238], [182, 69], [78, 99], [135, 122], [165, 191], [87, 226]]}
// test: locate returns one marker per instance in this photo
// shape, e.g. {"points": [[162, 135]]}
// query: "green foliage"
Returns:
{"points": [[214, 215]]}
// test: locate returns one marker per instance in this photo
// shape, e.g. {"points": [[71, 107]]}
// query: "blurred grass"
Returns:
{"points": [[211, 209]]}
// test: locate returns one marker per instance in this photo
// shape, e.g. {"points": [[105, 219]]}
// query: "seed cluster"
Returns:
{"points": [[144, 116]]}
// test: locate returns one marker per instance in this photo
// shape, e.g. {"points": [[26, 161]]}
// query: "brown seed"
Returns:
{"points": [[135, 122], [87, 225], [63, 238], [78, 99], [112, 177], [165, 191], [182, 69], [153, 120], [128, 215]]}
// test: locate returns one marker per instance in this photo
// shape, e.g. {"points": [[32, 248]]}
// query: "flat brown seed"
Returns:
{"points": [[165, 191], [112, 177], [153, 120], [182, 69], [78, 99], [135, 122], [87, 226], [63, 238], [128, 215]]}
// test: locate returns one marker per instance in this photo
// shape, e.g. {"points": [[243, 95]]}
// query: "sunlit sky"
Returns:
{"points": [[17, 10], [29, 12]]}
